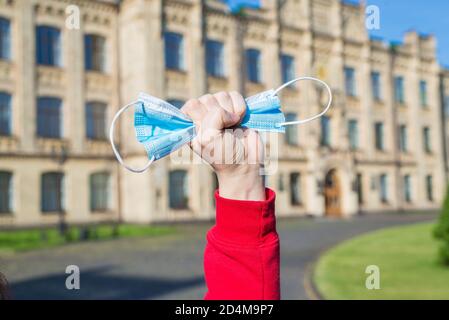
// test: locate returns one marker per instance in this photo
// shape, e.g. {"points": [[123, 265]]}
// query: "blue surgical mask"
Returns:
{"points": [[162, 128]]}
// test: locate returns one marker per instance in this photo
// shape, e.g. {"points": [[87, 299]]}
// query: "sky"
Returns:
{"points": [[424, 16], [399, 16]]}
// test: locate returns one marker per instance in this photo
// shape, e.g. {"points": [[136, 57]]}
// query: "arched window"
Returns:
{"points": [[52, 192], [99, 191], [5, 192], [49, 117], [178, 189]]}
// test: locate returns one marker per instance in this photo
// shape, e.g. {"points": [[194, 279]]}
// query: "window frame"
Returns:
{"points": [[287, 68], [253, 58], [184, 185], [291, 131], [379, 136], [215, 58], [177, 63], [5, 114], [44, 119], [376, 87], [5, 38], [9, 207], [325, 131], [95, 52], [97, 120], [295, 195], [59, 189], [104, 192], [350, 81], [399, 90], [354, 143], [48, 46]]}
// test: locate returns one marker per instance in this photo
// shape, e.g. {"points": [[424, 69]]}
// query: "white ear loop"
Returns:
{"points": [[117, 154], [315, 116]]}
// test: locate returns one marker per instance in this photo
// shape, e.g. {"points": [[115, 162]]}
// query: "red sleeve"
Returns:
{"points": [[241, 259]]}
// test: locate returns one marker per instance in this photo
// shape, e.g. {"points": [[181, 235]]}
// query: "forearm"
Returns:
{"points": [[242, 253]]}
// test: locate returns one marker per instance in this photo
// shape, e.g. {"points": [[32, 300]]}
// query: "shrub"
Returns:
{"points": [[441, 231]]}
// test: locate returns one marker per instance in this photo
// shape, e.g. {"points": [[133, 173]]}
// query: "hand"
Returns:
{"points": [[234, 153]]}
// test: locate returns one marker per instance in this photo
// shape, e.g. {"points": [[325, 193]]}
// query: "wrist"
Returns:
{"points": [[242, 183]]}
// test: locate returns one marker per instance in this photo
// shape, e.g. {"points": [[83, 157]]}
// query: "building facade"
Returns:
{"points": [[381, 147]]}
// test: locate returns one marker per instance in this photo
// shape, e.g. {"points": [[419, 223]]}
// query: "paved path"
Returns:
{"points": [[170, 267]]}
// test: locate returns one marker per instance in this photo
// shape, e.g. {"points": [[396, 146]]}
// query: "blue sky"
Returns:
{"points": [[398, 16], [424, 16]]}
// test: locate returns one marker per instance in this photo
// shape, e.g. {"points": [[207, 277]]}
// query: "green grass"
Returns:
{"points": [[406, 256], [22, 240]]}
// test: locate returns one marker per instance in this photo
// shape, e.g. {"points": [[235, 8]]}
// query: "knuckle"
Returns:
{"points": [[222, 94], [190, 104]]}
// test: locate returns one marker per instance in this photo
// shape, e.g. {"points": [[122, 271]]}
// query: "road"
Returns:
{"points": [[170, 267]]}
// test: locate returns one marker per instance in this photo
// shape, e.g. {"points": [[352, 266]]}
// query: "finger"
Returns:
{"points": [[195, 110], [209, 101], [225, 101], [238, 103], [218, 118]]}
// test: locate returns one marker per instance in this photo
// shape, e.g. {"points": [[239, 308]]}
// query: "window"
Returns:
{"points": [[399, 89], [174, 51], [353, 131], [49, 117], [5, 192], [5, 114], [423, 93], [176, 103], [407, 189], [295, 189], [429, 187], [52, 192], [5, 39], [99, 191], [350, 81], [178, 189], [96, 120], [214, 58], [379, 135], [375, 85], [383, 188], [291, 132], [426, 140], [253, 65], [95, 53], [288, 68], [403, 140], [48, 41], [325, 131], [359, 187]]}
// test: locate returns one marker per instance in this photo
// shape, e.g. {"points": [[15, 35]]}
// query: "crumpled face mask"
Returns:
{"points": [[162, 128]]}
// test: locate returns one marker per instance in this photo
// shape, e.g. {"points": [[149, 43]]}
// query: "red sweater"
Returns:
{"points": [[241, 260]]}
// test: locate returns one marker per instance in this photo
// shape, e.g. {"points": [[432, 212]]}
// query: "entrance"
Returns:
{"points": [[332, 194]]}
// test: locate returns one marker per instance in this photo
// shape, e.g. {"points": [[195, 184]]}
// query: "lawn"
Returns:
{"points": [[406, 257], [22, 240]]}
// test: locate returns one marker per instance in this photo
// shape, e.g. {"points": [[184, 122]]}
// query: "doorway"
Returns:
{"points": [[332, 194]]}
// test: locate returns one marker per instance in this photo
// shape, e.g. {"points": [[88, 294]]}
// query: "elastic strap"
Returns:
{"points": [[117, 154], [315, 116]]}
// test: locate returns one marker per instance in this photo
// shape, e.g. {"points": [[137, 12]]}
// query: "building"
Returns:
{"points": [[381, 147]]}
